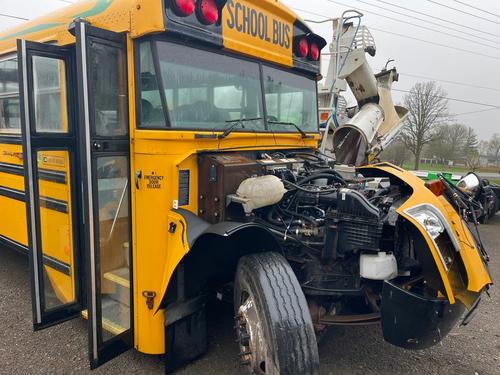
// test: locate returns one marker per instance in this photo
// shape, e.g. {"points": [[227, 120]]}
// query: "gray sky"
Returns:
{"points": [[413, 57]]}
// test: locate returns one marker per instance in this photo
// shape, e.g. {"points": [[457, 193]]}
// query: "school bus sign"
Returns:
{"points": [[258, 28]]}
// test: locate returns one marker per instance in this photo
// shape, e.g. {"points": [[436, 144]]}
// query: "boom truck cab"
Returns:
{"points": [[164, 150]]}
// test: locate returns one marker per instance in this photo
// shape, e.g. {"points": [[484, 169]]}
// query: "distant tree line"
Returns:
{"points": [[430, 133]]}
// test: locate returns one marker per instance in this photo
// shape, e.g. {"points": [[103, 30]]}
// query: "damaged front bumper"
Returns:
{"points": [[412, 321]]}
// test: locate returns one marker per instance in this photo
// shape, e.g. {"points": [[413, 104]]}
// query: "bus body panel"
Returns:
{"points": [[163, 153]]}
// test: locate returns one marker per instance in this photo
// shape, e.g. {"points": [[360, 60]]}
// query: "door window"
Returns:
{"points": [[49, 86], [114, 243], [109, 89]]}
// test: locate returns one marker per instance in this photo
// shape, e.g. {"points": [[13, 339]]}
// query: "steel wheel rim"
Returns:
{"points": [[253, 350]]}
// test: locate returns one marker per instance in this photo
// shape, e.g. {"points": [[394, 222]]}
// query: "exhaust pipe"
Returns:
{"points": [[377, 123]]}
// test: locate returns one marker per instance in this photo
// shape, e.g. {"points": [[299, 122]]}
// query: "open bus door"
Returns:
{"points": [[105, 150], [77, 178], [50, 159]]}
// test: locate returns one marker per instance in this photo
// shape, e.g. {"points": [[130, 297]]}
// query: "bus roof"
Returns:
{"points": [[268, 32], [114, 15]]}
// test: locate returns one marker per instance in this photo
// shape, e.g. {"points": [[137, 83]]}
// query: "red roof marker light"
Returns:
{"points": [[303, 48], [208, 12], [314, 53], [184, 8]]}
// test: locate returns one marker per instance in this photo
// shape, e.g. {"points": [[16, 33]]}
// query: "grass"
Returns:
{"points": [[454, 169]]}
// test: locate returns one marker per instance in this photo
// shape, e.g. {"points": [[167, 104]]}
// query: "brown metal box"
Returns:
{"points": [[219, 176]]}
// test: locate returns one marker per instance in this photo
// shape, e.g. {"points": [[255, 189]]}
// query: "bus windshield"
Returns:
{"points": [[207, 91]]}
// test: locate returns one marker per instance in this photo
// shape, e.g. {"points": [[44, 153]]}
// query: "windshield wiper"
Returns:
{"points": [[302, 133], [234, 124]]}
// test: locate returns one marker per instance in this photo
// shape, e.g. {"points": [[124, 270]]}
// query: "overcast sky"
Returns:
{"points": [[479, 67]]}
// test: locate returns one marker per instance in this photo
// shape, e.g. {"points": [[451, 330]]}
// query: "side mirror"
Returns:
{"points": [[470, 184]]}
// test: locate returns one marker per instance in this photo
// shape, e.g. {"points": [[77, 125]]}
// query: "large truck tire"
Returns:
{"points": [[273, 323]]}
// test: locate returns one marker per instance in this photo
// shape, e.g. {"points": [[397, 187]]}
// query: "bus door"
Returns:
{"points": [[50, 161], [105, 146]]}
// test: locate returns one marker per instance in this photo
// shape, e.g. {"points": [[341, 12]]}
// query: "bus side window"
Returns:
{"points": [[151, 107], [10, 120]]}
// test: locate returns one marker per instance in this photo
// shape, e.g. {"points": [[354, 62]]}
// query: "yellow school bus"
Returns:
{"points": [[157, 153]]}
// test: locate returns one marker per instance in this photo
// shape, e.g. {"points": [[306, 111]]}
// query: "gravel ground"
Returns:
{"points": [[474, 349]]}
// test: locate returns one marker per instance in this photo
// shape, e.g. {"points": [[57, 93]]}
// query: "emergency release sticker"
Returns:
{"points": [[154, 180]]}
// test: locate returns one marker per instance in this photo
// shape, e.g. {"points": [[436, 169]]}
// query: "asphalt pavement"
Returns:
{"points": [[62, 349]]}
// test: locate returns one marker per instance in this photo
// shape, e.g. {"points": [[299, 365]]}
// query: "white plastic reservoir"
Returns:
{"points": [[381, 266], [260, 192]]}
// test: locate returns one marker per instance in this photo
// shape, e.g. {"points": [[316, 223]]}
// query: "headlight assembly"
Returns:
{"points": [[429, 221], [434, 223]]}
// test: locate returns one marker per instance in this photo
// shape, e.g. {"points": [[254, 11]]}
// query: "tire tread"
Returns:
{"points": [[282, 299]]}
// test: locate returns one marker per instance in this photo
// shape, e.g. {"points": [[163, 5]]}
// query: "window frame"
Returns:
{"points": [[278, 104], [12, 137], [206, 48]]}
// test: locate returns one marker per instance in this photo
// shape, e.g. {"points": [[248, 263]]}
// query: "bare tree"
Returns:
{"points": [[448, 143], [397, 153], [483, 147], [470, 142], [473, 160], [494, 148], [471, 150], [428, 107]]}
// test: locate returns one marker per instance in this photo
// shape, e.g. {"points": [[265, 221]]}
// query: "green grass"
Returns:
{"points": [[446, 168]]}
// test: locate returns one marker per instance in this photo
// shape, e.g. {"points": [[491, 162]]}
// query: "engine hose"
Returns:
{"points": [[297, 187], [297, 153], [330, 172], [291, 213], [318, 176], [279, 231], [275, 221]]}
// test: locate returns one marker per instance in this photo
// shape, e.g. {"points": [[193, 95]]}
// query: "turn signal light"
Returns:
{"points": [[208, 12], [436, 186], [184, 8], [303, 47]]}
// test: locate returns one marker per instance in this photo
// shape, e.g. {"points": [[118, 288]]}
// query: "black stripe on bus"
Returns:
{"points": [[47, 260], [45, 174], [7, 242], [52, 176], [12, 193], [57, 265], [11, 140], [49, 203], [54, 204]]}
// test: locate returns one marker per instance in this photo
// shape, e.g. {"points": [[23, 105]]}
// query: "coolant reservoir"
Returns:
{"points": [[258, 192], [381, 266]]}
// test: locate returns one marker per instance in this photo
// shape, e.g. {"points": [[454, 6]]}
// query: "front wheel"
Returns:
{"points": [[273, 323]]}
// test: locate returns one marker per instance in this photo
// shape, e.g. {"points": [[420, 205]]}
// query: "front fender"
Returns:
{"points": [[474, 271], [195, 233]]}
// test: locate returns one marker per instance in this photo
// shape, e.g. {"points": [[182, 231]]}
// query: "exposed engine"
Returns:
{"points": [[338, 229]]}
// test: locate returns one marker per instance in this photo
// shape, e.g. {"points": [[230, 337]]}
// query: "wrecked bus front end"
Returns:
{"points": [[375, 246], [412, 321], [418, 314]]}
